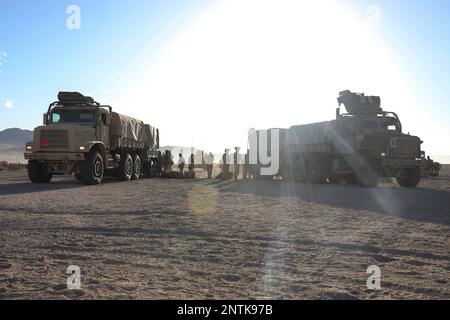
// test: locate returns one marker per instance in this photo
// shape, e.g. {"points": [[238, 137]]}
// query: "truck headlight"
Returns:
{"points": [[29, 148], [383, 154], [82, 148]]}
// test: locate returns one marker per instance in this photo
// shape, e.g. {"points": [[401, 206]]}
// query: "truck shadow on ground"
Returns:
{"points": [[59, 183], [421, 204]]}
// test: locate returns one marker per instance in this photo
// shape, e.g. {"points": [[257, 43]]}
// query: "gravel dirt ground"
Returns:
{"points": [[168, 239]]}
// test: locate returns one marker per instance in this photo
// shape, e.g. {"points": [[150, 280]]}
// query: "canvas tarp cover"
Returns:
{"points": [[133, 129], [313, 133], [127, 127], [152, 136], [73, 97]]}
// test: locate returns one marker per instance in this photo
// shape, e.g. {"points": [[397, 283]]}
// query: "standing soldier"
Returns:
{"points": [[191, 165], [209, 162], [236, 163], [226, 165], [429, 166], [245, 168], [167, 161], [181, 163]]}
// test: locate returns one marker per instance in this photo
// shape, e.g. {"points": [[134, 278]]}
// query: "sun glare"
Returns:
{"points": [[264, 63]]}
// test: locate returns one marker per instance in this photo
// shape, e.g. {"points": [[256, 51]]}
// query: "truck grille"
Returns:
{"points": [[54, 139], [405, 147]]}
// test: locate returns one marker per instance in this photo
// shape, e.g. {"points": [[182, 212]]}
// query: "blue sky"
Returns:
{"points": [[417, 33], [119, 40], [115, 40]]}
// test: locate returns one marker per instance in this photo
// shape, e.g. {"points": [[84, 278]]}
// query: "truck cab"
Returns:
{"points": [[376, 137], [84, 138]]}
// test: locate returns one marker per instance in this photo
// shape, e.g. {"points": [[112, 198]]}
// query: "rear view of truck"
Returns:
{"points": [[81, 137]]}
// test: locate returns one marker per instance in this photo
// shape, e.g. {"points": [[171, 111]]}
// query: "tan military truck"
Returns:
{"points": [[359, 146], [84, 138]]}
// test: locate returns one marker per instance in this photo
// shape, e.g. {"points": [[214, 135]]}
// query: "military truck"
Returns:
{"points": [[359, 146], [80, 136]]}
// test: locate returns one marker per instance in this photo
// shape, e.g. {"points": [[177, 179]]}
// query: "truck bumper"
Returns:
{"points": [[400, 163], [54, 156]]}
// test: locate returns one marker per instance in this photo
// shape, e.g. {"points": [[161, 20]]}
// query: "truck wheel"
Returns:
{"points": [[314, 172], [154, 169], [137, 167], [37, 173], [125, 169], [92, 168], [335, 179], [366, 176], [349, 179], [409, 178]]}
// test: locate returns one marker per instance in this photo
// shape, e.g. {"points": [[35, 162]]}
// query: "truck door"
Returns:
{"points": [[105, 123]]}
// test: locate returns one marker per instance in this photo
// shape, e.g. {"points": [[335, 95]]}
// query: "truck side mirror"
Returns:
{"points": [[44, 119]]}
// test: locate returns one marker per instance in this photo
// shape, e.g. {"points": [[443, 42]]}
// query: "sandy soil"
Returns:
{"points": [[156, 239]]}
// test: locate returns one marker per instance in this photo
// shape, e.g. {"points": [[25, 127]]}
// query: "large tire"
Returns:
{"points": [[409, 178], [335, 179], [92, 168], [137, 167], [349, 178], [366, 176], [314, 172], [150, 169], [155, 168], [125, 169], [37, 172]]}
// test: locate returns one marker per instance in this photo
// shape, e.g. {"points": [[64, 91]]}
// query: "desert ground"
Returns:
{"points": [[196, 239]]}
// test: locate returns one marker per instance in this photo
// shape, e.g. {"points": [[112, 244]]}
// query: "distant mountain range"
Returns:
{"points": [[12, 144], [15, 136]]}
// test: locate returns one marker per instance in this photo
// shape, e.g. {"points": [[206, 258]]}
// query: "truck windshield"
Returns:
{"points": [[380, 125], [390, 125], [72, 116]]}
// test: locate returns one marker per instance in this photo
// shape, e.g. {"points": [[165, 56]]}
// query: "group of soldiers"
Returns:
{"points": [[167, 163], [227, 171], [237, 161], [430, 168]]}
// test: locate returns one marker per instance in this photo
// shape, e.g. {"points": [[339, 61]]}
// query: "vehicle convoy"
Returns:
{"points": [[360, 146], [81, 137]]}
